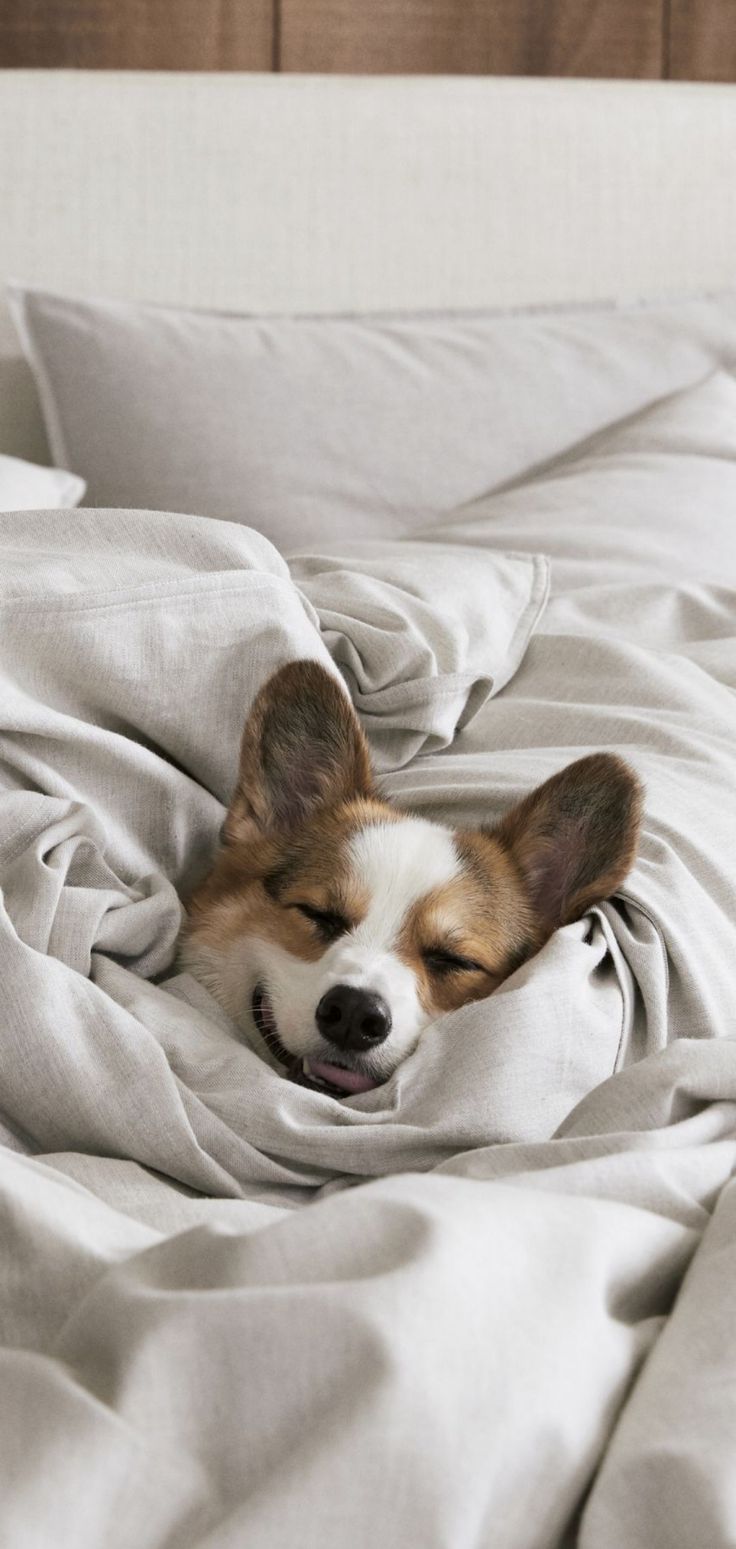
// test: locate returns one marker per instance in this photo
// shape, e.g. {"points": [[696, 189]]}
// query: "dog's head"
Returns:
{"points": [[342, 926]]}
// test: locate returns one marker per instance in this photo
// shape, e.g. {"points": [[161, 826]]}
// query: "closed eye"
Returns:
{"points": [[329, 924], [440, 962]]}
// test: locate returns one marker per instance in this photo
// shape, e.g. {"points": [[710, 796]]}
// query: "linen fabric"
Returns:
{"points": [[319, 428], [490, 1301]]}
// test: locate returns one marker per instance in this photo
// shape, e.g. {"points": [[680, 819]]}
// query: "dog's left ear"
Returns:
{"points": [[302, 748], [574, 838]]}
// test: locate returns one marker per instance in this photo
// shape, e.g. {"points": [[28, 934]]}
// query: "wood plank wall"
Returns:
{"points": [[680, 39]]}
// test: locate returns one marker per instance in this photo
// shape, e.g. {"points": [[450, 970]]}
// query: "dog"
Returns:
{"points": [[341, 926]]}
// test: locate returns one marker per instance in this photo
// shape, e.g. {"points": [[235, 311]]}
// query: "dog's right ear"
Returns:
{"points": [[302, 748]]}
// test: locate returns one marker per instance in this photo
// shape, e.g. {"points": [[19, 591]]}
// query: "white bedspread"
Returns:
{"points": [[489, 1304]]}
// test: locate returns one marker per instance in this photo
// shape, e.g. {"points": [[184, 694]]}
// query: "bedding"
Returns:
{"points": [[28, 487], [488, 1302], [308, 428]]}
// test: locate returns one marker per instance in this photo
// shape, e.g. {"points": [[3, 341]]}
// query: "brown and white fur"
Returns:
{"points": [[341, 926]]}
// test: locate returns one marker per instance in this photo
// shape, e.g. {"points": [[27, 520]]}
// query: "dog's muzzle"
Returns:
{"points": [[371, 1026]]}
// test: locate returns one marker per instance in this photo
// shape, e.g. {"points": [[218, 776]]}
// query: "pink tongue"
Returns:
{"points": [[349, 1080]]}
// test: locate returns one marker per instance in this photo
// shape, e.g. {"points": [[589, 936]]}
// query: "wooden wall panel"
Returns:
{"points": [[702, 40], [685, 39], [477, 37], [137, 34]]}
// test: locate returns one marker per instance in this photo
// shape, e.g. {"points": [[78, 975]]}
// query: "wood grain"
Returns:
{"points": [[702, 40], [684, 39], [483, 37], [137, 34]]}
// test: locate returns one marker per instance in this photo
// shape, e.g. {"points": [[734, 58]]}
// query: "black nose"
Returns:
{"points": [[353, 1019]]}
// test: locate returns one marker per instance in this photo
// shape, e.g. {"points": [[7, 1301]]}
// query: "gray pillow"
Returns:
{"points": [[314, 428]]}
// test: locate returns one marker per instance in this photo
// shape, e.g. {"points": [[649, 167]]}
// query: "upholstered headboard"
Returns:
{"points": [[308, 193]]}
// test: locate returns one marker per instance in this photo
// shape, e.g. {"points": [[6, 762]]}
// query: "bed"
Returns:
{"points": [[488, 474]]}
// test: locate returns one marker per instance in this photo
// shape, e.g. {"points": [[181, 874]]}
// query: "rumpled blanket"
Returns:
{"points": [[489, 1303]]}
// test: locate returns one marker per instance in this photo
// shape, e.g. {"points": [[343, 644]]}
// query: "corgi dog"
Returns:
{"points": [[338, 926]]}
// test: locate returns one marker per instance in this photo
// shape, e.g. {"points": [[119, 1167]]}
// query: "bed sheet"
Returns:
{"points": [[489, 1302]]}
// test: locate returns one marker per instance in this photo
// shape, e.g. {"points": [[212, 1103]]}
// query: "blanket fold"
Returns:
{"points": [[485, 1302]]}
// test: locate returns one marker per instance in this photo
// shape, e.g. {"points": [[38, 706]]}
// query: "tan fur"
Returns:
{"points": [[254, 888], [481, 916]]}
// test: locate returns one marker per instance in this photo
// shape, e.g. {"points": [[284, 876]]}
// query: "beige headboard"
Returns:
{"points": [[308, 193]]}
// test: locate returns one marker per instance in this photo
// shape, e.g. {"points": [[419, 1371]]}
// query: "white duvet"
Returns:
{"points": [[489, 1304]]}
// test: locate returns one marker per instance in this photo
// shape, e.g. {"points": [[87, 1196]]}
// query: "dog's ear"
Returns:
{"points": [[302, 747], [574, 838]]}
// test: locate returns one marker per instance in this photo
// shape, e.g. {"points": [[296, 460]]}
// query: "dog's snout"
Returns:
{"points": [[353, 1018]]}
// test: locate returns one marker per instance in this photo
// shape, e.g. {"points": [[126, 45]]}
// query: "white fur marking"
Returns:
{"points": [[396, 864]]}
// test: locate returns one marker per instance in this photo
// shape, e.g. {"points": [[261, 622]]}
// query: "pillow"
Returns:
{"points": [[651, 499], [313, 428], [26, 487]]}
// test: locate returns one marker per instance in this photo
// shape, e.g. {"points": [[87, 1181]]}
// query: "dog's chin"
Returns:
{"points": [[336, 1079]]}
